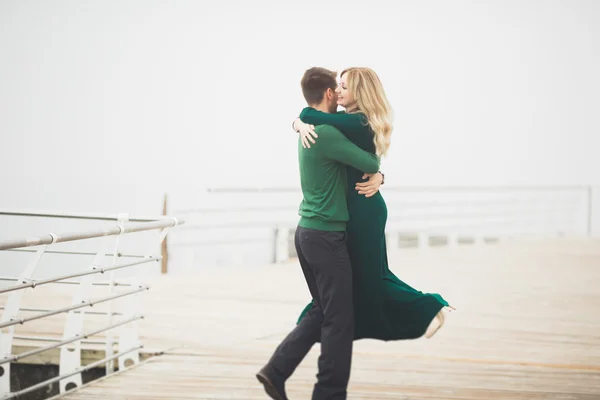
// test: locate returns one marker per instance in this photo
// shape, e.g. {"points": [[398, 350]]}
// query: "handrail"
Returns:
{"points": [[67, 341], [423, 215], [51, 238], [46, 310], [422, 203], [76, 253], [115, 283], [237, 209], [91, 217], [220, 242], [53, 339], [408, 188], [35, 283], [21, 321]]}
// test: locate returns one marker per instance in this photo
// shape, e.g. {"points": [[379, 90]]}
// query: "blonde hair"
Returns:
{"points": [[372, 101]]}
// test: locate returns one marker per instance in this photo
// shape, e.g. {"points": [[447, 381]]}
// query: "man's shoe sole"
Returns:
{"points": [[269, 388]]}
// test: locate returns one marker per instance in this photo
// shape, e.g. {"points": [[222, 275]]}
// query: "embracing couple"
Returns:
{"points": [[340, 238]]}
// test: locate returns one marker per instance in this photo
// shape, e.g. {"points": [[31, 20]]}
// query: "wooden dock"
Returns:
{"points": [[527, 327]]}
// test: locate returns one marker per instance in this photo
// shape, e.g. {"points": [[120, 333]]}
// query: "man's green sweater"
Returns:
{"points": [[323, 178]]}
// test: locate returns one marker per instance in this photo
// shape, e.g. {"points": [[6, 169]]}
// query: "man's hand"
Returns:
{"points": [[306, 131], [370, 187]]}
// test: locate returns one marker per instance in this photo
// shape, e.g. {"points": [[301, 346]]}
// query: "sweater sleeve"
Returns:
{"points": [[335, 145], [352, 125]]}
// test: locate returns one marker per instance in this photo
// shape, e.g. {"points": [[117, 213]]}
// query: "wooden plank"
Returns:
{"points": [[526, 328], [206, 377]]}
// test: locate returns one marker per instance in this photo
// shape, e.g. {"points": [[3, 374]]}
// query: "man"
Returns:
{"points": [[320, 242]]}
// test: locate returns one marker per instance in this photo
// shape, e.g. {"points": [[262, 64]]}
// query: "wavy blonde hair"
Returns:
{"points": [[372, 101]]}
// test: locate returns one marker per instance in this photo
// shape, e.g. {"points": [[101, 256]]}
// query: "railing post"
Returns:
{"points": [[392, 239], [281, 244], [452, 238], [11, 311], [590, 210], [164, 249], [110, 365], [162, 243], [128, 337], [423, 240], [70, 355]]}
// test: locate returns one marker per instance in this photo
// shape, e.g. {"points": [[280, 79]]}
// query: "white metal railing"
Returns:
{"points": [[70, 368], [460, 214]]}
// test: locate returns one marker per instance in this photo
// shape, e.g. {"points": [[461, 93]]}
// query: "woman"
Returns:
{"points": [[384, 307]]}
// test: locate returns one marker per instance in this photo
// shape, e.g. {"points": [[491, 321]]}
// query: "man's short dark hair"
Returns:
{"points": [[315, 82]]}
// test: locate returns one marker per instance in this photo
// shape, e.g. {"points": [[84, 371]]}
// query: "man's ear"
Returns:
{"points": [[330, 93]]}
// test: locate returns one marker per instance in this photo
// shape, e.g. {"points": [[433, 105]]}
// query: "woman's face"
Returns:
{"points": [[345, 96]]}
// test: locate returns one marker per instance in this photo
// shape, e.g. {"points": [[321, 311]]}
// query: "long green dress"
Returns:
{"points": [[385, 308]]}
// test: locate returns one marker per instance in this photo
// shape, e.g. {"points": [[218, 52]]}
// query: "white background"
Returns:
{"points": [[106, 105]]}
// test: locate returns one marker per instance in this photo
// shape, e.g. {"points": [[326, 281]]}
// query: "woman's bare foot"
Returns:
{"points": [[436, 323]]}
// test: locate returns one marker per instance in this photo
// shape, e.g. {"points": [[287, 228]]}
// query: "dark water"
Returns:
{"points": [[26, 375]]}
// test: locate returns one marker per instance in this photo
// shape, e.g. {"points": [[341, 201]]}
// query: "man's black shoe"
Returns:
{"points": [[273, 386]]}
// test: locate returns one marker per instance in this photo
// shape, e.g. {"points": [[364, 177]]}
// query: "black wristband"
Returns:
{"points": [[382, 177]]}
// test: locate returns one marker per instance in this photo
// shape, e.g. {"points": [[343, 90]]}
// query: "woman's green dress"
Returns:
{"points": [[385, 308]]}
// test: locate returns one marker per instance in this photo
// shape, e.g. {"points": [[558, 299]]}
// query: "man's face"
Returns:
{"points": [[333, 100]]}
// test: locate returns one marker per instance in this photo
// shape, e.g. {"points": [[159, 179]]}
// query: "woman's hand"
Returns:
{"points": [[370, 187], [306, 131]]}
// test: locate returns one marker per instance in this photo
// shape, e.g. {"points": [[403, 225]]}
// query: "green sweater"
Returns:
{"points": [[323, 178]]}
